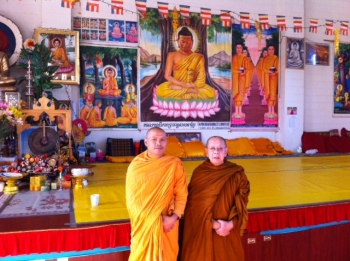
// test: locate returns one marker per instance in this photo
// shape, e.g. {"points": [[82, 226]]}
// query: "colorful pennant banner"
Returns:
{"points": [[93, 5], [245, 20], [117, 7], [264, 21], [298, 24], [281, 22], [344, 28], [225, 18], [163, 9], [329, 27], [141, 7], [313, 26], [206, 16]]}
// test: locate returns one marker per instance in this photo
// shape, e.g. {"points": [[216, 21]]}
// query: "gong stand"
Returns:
{"points": [[47, 106]]}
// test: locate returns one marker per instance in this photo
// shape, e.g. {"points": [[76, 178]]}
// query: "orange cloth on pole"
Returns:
{"points": [[215, 192], [154, 187]]}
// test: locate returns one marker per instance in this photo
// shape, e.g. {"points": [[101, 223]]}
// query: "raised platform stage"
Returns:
{"points": [[299, 210]]}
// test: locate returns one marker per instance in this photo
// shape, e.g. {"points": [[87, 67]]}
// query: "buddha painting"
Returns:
{"points": [[186, 82]]}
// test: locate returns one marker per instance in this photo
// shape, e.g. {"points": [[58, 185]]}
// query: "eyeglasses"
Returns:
{"points": [[216, 149]]}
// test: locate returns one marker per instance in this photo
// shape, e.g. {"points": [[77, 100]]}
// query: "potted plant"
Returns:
{"points": [[43, 73]]}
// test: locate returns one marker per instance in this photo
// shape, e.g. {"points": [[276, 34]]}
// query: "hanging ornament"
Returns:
{"points": [[258, 34], [336, 41]]}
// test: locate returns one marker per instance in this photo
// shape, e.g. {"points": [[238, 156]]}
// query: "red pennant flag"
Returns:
{"points": [[67, 4]]}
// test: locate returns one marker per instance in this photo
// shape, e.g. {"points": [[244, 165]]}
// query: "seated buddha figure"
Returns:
{"points": [[185, 74], [5, 79], [110, 84]]}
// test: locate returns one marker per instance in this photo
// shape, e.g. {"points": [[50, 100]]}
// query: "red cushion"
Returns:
{"points": [[310, 141], [345, 133], [338, 144]]}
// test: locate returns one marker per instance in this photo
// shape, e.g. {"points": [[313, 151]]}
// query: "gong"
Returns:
{"points": [[40, 146]]}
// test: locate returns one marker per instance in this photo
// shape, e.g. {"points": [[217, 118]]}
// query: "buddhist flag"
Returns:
{"points": [[67, 4], [206, 16], [313, 26], [225, 18], [298, 24], [163, 9], [185, 11], [117, 7], [329, 27], [344, 27], [264, 21], [244, 17], [141, 7], [93, 6], [281, 22]]}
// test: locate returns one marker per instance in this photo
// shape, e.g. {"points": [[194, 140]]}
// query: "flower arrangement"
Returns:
{"points": [[43, 73], [9, 117]]}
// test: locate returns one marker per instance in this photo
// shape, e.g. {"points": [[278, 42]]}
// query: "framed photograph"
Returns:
{"points": [[64, 105], [295, 53], [186, 136], [64, 45], [317, 54], [13, 98]]}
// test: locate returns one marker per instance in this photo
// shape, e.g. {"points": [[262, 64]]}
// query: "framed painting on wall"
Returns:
{"points": [[295, 53], [317, 54], [64, 45]]}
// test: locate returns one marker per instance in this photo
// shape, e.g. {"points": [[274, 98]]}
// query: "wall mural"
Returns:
{"points": [[185, 72], [108, 87], [342, 81], [255, 69]]}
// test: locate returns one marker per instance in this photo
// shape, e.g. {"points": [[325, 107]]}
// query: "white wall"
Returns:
{"points": [[310, 90]]}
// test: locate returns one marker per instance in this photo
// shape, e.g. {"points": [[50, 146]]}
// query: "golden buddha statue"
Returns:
{"points": [[6, 82]]}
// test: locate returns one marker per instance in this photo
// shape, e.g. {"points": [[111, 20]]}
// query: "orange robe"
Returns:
{"points": [[215, 192], [154, 187], [93, 119], [270, 82], [240, 82], [110, 116]]}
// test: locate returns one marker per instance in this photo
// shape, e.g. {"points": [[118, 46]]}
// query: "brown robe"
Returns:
{"points": [[215, 192]]}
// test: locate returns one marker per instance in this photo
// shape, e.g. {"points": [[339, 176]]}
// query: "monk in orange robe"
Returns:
{"points": [[156, 193], [216, 213], [110, 114], [270, 70], [240, 69], [94, 118]]}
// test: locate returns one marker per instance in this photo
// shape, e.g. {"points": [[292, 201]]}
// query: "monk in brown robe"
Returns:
{"points": [[216, 213], [156, 193]]}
